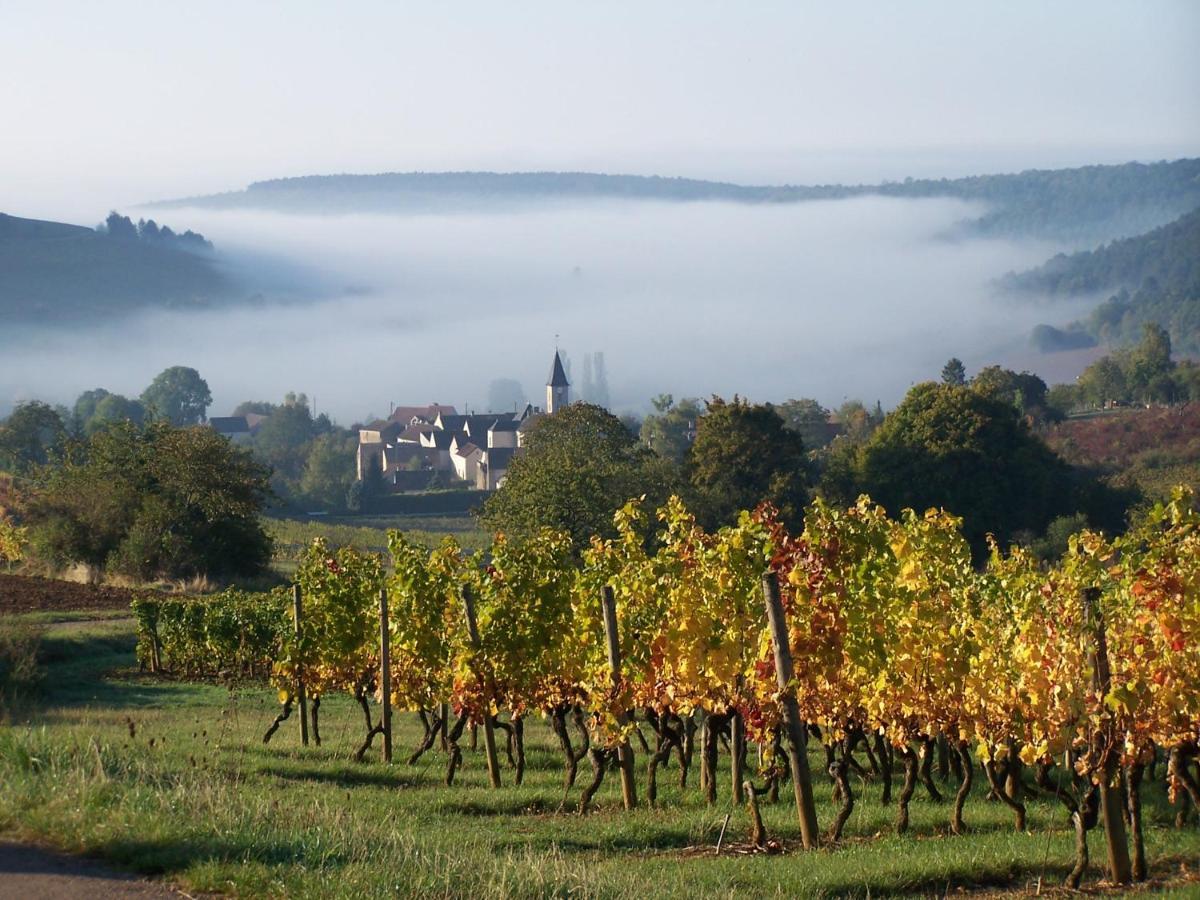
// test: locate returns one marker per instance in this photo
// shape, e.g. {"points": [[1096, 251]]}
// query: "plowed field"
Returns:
{"points": [[21, 594]]}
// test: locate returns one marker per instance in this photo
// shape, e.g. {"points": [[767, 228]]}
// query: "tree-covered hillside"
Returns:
{"points": [[1158, 274], [1169, 254], [1174, 305], [54, 272], [1081, 205]]}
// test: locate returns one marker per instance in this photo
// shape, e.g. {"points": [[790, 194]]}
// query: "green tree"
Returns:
{"points": [[807, 418], [579, 466], [259, 407], [743, 455], [1149, 364], [113, 408], [85, 408], [29, 436], [282, 441], [1053, 544], [154, 502], [1187, 380], [179, 395], [672, 428], [1062, 399], [956, 448], [1103, 381], [1024, 390], [954, 372], [329, 471]]}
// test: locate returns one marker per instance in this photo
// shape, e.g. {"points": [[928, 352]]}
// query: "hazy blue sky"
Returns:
{"points": [[115, 102]]}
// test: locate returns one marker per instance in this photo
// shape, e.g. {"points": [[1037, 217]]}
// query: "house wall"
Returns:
{"points": [[369, 456], [466, 466]]}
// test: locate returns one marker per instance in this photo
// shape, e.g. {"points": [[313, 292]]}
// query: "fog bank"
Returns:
{"points": [[851, 298]]}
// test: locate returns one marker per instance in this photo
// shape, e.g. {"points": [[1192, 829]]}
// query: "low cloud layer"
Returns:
{"points": [[853, 298]]}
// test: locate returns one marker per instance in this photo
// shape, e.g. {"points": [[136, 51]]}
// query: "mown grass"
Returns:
{"points": [[172, 779]]}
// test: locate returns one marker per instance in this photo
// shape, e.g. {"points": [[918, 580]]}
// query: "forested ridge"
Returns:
{"points": [[1082, 204]]}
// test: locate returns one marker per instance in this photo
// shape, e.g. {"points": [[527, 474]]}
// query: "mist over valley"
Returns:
{"points": [[855, 297]]}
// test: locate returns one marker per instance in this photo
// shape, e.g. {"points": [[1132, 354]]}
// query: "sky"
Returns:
{"points": [[109, 104]]}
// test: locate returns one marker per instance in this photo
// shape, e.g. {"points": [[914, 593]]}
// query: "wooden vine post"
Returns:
{"points": [[297, 618], [624, 751], [156, 665], [1120, 868], [758, 833], [796, 730], [737, 750], [489, 734], [385, 674]]}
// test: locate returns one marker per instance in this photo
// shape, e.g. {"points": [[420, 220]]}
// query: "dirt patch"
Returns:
{"points": [[19, 593], [31, 872]]}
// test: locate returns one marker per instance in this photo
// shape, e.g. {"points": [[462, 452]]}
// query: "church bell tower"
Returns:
{"points": [[557, 387]]}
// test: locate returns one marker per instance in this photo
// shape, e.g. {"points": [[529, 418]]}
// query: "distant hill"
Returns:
{"points": [[1156, 277], [54, 272], [1082, 205]]}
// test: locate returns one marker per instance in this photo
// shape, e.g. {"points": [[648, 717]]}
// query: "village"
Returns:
{"points": [[476, 448], [416, 445]]}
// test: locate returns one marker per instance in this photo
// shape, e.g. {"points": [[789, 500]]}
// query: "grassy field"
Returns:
{"points": [[172, 779], [370, 532]]}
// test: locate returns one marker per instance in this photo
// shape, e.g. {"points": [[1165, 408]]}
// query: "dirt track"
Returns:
{"points": [[21, 594], [31, 873]]}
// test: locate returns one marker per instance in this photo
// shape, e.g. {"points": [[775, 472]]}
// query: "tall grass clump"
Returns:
{"points": [[19, 670]]}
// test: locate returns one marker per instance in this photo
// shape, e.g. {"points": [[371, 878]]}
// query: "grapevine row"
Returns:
{"points": [[903, 652]]}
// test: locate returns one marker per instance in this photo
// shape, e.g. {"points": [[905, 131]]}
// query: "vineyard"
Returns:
{"points": [[670, 647]]}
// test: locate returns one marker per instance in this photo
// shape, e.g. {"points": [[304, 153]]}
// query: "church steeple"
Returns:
{"points": [[557, 387]]}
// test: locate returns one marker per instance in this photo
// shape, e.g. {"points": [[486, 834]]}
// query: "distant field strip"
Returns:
{"points": [[292, 536]]}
